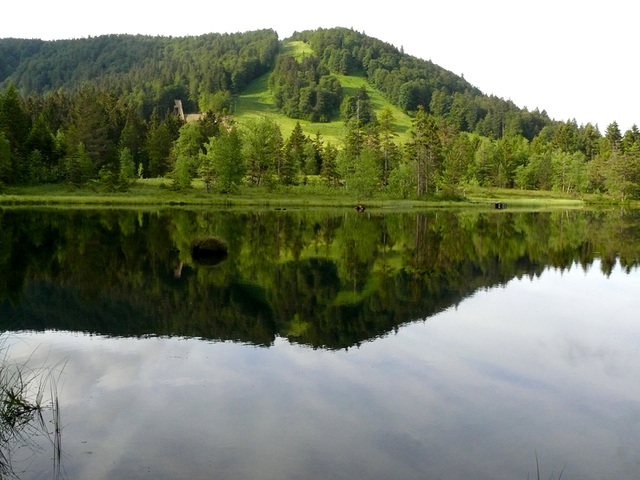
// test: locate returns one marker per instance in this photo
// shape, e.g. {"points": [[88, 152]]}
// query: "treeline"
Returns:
{"points": [[437, 161], [204, 71], [96, 136], [72, 137]]}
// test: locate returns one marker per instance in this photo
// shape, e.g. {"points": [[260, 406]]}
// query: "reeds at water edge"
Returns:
{"points": [[29, 410]]}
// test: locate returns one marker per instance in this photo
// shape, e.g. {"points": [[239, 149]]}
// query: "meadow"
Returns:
{"points": [[157, 191]]}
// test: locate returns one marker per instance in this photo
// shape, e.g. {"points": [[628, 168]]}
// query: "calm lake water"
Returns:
{"points": [[328, 344]]}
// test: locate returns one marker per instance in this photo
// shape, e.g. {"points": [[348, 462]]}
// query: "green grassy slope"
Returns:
{"points": [[256, 101], [296, 48]]}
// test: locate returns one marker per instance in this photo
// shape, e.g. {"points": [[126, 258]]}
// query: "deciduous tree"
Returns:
{"points": [[262, 150], [223, 165]]}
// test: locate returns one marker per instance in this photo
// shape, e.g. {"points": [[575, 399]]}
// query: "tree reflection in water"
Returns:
{"points": [[329, 278]]}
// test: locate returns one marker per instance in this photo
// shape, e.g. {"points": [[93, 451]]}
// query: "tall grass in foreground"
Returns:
{"points": [[29, 411], [552, 477]]}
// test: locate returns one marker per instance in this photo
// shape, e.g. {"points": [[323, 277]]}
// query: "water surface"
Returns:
{"points": [[331, 345]]}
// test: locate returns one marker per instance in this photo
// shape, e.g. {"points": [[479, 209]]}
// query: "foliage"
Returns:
{"points": [[187, 151], [408, 82], [151, 69], [403, 180], [329, 171], [305, 89], [263, 150], [293, 158], [358, 108], [223, 165], [182, 173], [127, 172], [5, 159], [425, 150], [158, 146], [75, 125], [362, 175], [79, 168]]}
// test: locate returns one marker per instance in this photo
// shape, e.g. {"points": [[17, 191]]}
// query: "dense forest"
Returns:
{"points": [[101, 111]]}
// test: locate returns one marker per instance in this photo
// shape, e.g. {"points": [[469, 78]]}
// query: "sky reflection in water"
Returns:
{"points": [[548, 365]]}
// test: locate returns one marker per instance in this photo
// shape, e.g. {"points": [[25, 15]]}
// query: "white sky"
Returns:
{"points": [[573, 58]]}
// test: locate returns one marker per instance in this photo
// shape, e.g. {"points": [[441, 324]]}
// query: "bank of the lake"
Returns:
{"points": [[158, 192]]}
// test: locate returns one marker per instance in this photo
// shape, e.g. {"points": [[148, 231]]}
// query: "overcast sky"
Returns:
{"points": [[576, 59]]}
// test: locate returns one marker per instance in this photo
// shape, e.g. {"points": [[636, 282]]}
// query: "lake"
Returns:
{"points": [[327, 343]]}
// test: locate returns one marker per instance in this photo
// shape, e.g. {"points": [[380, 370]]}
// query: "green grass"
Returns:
{"points": [[154, 192], [528, 198], [297, 49], [402, 124]]}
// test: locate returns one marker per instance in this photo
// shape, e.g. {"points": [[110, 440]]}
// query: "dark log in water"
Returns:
{"points": [[209, 251]]}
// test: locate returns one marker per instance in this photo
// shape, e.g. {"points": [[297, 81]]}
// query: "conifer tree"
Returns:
{"points": [[293, 157], [90, 119], [158, 147], [613, 136], [133, 137], [6, 169], [425, 150], [329, 165], [386, 132], [14, 123]]}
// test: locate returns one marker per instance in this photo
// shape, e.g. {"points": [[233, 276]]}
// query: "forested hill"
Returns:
{"points": [[407, 82], [158, 68], [206, 71]]}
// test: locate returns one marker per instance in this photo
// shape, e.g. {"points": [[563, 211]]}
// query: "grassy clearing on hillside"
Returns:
{"points": [[257, 101], [297, 49], [402, 124]]}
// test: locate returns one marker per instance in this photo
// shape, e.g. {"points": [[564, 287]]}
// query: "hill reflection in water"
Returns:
{"points": [[539, 366], [327, 279]]}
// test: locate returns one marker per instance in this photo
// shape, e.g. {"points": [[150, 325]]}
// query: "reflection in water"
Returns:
{"points": [[497, 336], [317, 278]]}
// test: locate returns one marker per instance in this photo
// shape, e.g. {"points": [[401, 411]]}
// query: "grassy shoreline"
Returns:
{"points": [[154, 192]]}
